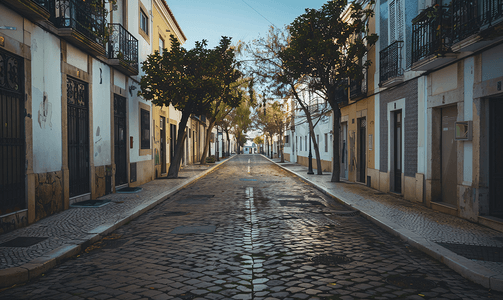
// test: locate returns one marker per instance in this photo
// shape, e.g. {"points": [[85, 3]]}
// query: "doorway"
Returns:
{"points": [[162, 150], [397, 151], [78, 136], [344, 150], [120, 146], [449, 161], [362, 147], [495, 158], [172, 142], [12, 133]]}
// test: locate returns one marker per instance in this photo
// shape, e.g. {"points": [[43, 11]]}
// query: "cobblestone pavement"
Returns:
{"points": [[432, 225], [257, 234], [76, 225]]}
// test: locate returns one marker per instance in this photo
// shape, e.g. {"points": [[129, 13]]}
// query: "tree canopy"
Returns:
{"points": [[190, 80], [329, 45]]}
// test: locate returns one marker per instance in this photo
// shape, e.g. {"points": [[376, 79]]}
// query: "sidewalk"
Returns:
{"points": [[425, 229], [69, 232]]}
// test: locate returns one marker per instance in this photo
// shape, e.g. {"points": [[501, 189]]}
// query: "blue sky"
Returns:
{"points": [[211, 19]]}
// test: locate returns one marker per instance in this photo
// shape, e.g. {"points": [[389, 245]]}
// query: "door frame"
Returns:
{"points": [[392, 107]]}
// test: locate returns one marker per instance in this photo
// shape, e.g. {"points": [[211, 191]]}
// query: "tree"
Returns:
{"points": [[329, 45], [187, 79], [273, 120], [240, 121], [232, 90], [258, 140], [270, 68]]}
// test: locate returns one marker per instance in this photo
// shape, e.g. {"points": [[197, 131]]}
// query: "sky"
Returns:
{"points": [[243, 20]]}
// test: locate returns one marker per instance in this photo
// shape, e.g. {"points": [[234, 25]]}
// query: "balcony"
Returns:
{"points": [[358, 88], [432, 38], [81, 23], [35, 10], [474, 23], [122, 50], [390, 65]]}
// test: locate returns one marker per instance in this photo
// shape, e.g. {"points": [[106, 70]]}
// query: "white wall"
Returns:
{"points": [[46, 83], [101, 114]]}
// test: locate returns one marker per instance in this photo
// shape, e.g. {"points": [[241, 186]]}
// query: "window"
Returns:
{"points": [[161, 45], [305, 142], [300, 143], [144, 21], [145, 129], [296, 143], [286, 139], [318, 140], [396, 21], [326, 142]]}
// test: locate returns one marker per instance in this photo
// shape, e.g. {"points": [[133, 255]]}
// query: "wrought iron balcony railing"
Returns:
{"points": [[123, 45], [431, 32], [84, 17], [469, 16], [390, 62]]}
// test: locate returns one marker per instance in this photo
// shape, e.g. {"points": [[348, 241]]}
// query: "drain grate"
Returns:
{"points": [[411, 282], [129, 190], [342, 213], [23, 241], [485, 253], [299, 203], [331, 259], [91, 203], [247, 179]]}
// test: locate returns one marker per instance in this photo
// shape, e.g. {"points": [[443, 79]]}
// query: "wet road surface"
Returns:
{"points": [[250, 231]]}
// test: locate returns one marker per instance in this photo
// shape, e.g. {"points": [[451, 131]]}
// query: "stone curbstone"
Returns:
{"points": [[461, 265], [40, 265]]}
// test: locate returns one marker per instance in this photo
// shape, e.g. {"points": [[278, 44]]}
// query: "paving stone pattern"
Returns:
{"points": [[259, 250], [74, 225], [435, 226]]}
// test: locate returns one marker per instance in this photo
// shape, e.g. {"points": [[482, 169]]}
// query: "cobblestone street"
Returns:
{"points": [[250, 230]]}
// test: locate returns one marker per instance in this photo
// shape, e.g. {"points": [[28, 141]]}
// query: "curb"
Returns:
{"points": [[461, 265], [42, 264]]}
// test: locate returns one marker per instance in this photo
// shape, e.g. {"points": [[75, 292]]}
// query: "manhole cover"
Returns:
{"points": [[485, 253], [247, 179], [91, 203], [331, 259], [130, 190], [23, 242], [411, 282], [194, 229], [342, 213], [299, 203]]}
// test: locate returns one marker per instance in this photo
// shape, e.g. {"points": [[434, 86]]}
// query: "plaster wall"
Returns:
{"points": [[11, 19], [46, 102], [492, 63], [444, 79], [102, 131], [120, 81], [76, 57]]}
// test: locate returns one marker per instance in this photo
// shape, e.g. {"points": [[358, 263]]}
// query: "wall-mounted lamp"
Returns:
{"points": [[131, 89]]}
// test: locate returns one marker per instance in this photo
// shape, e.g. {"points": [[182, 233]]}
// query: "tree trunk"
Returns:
{"points": [[174, 167], [336, 166], [315, 144], [207, 142]]}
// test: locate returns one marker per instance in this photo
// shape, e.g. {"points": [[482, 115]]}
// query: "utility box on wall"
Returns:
{"points": [[463, 131]]}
